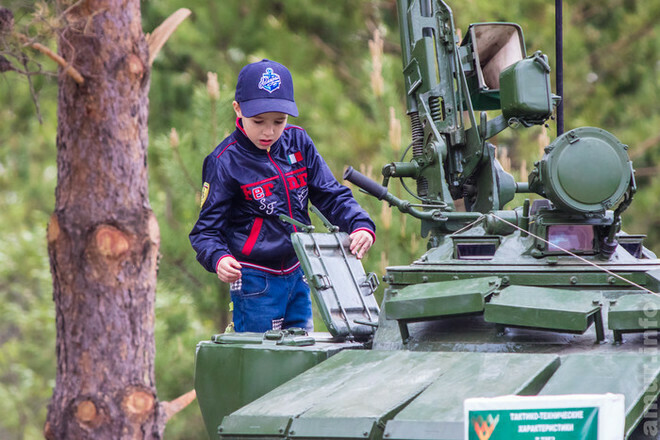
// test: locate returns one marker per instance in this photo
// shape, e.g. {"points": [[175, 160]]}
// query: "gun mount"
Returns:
{"points": [[529, 301], [583, 172]]}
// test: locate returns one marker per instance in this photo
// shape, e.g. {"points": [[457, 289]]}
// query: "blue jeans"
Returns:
{"points": [[265, 301]]}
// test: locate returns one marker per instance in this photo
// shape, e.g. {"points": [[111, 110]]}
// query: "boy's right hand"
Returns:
{"points": [[229, 270]]}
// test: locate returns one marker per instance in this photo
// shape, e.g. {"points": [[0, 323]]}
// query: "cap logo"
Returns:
{"points": [[270, 81]]}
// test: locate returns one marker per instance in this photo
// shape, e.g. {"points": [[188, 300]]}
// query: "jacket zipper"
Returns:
{"points": [[286, 187]]}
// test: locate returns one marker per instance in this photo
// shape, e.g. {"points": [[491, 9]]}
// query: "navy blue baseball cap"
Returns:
{"points": [[265, 86]]}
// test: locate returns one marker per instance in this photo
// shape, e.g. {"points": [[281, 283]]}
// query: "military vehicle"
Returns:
{"points": [[548, 299]]}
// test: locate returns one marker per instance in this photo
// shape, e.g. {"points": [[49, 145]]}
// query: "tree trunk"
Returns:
{"points": [[103, 238]]}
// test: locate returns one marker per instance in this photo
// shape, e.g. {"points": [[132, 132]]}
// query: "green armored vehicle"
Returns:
{"points": [[550, 300]]}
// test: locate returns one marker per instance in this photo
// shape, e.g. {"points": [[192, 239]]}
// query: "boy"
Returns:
{"points": [[263, 169]]}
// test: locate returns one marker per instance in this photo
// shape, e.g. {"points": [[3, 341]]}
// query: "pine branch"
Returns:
{"points": [[33, 92], [68, 68], [174, 406], [157, 39]]}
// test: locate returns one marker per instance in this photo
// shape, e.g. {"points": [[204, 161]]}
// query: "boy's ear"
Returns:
{"points": [[237, 109]]}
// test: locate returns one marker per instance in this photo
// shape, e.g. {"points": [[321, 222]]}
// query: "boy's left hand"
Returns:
{"points": [[361, 241]]}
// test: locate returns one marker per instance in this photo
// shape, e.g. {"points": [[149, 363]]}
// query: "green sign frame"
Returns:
{"points": [[534, 424]]}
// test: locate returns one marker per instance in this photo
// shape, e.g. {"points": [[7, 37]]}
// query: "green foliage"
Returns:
{"points": [[27, 337], [611, 80], [179, 326]]}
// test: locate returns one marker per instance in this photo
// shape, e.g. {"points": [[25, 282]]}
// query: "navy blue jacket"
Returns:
{"points": [[248, 188]]}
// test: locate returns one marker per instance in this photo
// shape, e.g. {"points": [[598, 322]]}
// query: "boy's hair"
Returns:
{"points": [[265, 86]]}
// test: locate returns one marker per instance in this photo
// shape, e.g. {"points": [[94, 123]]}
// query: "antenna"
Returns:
{"points": [[559, 53]]}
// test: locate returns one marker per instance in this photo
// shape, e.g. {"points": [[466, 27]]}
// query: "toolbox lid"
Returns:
{"points": [[339, 284]]}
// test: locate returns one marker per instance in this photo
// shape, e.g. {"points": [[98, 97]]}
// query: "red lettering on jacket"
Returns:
{"points": [[264, 188], [297, 178], [258, 190], [293, 182], [267, 188]]}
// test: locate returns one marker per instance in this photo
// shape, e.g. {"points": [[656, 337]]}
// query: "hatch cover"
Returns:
{"points": [[339, 284]]}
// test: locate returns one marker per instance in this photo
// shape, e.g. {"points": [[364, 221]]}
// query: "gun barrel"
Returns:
{"points": [[362, 181], [381, 193]]}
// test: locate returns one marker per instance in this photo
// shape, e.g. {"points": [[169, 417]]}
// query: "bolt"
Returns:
{"points": [[425, 279], [574, 280], [611, 280]]}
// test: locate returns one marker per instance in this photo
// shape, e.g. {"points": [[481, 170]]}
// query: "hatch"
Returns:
{"points": [[343, 291]]}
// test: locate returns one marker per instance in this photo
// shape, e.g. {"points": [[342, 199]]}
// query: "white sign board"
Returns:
{"points": [[568, 417]]}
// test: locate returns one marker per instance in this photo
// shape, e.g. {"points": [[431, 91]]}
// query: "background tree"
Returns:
{"points": [[103, 237]]}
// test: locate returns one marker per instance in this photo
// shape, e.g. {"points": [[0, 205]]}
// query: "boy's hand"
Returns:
{"points": [[361, 241], [229, 270]]}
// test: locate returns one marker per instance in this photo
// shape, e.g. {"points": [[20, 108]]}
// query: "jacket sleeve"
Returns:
{"points": [[207, 237], [334, 200]]}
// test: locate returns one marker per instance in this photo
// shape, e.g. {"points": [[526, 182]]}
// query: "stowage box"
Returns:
{"points": [[234, 369], [525, 90]]}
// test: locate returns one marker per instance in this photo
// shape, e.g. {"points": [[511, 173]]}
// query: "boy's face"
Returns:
{"points": [[263, 129]]}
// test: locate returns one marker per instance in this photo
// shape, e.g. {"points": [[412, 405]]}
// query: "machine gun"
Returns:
{"points": [[583, 173]]}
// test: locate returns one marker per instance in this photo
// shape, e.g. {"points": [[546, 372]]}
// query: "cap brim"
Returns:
{"points": [[255, 107]]}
